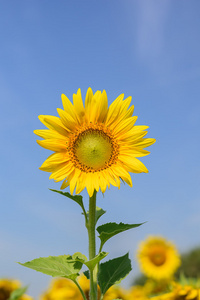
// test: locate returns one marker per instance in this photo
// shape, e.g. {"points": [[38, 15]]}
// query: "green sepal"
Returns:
{"points": [[61, 266], [108, 230], [16, 294], [89, 263], [99, 212], [113, 271]]}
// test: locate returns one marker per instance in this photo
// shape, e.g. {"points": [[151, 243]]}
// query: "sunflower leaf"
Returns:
{"points": [[99, 212], [16, 294], [108, 230], [79, 257], [87, 274], [113, 271], [62, 266], [78, 199]]}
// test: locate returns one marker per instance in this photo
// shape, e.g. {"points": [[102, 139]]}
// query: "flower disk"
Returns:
{"points": [[94, 145], [158, 258]]}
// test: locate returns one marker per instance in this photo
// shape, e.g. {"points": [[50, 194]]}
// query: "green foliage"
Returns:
{"points": [[190, 265], [108, 230], [16, 294], [89, 263], [113, 271], [62, 266], [99, 212], [78, 199]]}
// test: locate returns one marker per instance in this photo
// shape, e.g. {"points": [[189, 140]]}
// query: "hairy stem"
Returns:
{"points": [[80, 289], [92, 244]]}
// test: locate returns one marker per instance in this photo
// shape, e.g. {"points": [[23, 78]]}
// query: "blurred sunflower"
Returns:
{"points": [[66, 289], [116, 292], [95, 145], [62, 289], [137, 292], [7, 286], [181, 292], [158, 258], [85, 285]]}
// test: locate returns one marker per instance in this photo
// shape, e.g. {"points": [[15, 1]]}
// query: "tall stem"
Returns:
{"points": [[92, 244]]}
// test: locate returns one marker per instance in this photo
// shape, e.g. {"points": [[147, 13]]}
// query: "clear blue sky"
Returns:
{"points": [[148, 49]]}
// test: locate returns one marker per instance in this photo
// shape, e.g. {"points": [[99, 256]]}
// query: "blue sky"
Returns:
{"points": [[147, 49]]}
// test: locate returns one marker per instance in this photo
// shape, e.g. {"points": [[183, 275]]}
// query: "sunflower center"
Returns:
{"points": [[157, 256], [93, 149]]}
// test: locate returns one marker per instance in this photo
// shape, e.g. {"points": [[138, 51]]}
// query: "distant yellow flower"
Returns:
{"points": [[85, 285], [94, 145], [137, 293], [7, 286], [158, 258], [153, 287], [180, 292], [66, 289], [186, 292], [115, 292], [62, 289]]}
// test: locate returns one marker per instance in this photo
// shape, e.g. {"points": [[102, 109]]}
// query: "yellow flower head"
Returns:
{"points": [[181, 292], [137, 292], [62, 289], [85, 285], [115, 292], [66, 289], [158, 258], [186, 291], [95, 145], [7, 286]]}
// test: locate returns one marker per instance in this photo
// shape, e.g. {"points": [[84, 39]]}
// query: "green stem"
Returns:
{"points": [[92, 244], [80, 289]]}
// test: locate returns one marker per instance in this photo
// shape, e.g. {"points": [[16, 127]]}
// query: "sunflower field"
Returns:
{"points": [[165, 275]]}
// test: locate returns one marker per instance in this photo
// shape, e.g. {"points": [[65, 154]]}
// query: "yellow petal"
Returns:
{"points": [[61, 173], [56, 159], [102, 182], [54, 123], [145, 142], [133, 132], [89, 184], [67, 120], [64, 184], [133, 151], [108, 176], [134, 164], [121, 172], [49, 134], [78, 105], [74, 179], [53, 144], [102, 108], [80, 183], [69, 108], [88, 101], [124, 126], [114, 110]]}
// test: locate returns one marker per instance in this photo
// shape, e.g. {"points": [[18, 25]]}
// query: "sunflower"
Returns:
{"points": [[116, 292], [180, 292], [137, 292], [62, 289], [94, 145], [66, 289], [158, 258], [7, 286]]}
